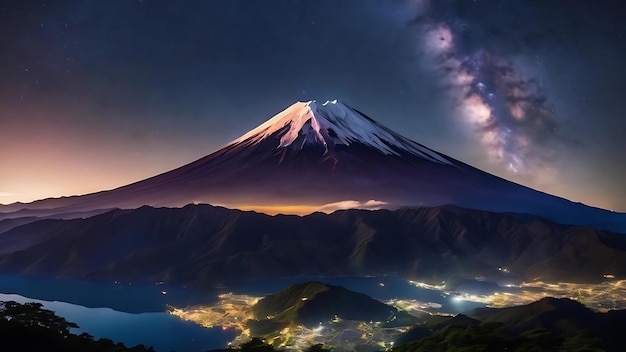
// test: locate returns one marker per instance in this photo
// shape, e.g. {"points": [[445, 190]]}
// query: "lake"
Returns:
{"points": [[158, 329], [136, 314]]}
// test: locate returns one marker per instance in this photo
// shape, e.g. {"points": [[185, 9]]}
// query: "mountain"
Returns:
{"points": [[202, 245], [311, 155], [310, 303], [549, 324], [560, 315]]}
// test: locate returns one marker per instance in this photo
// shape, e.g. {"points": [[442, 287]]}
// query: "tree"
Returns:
{"points": [[318, 348], [256, 344], [28, 327], [32, 314]]}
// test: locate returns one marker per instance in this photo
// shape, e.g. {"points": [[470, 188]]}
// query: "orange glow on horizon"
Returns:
{"points": [[305, 209], [285, 209]]}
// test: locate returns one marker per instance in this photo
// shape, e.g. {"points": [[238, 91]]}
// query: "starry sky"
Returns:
{"points": [[98, 94]]}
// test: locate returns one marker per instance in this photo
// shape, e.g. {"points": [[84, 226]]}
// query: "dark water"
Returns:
{"points": [[135, 314], [158, 329], [124, 297]]}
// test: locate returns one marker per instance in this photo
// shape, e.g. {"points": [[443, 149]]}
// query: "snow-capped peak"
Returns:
{"points": [[336, 123]]}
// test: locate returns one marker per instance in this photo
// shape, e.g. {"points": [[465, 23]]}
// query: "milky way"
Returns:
{"points": [[504, 107]]}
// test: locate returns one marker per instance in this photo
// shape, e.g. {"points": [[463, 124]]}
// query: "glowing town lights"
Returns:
{"points": [[233, 311]]}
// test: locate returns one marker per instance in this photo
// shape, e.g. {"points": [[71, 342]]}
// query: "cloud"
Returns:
{"points": [[6, 194], [352, 204]]}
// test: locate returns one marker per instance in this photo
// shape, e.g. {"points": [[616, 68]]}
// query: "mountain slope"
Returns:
{"points": [[209, 246], [548, 313], [314, 154], [549, 324], [312, 302]]}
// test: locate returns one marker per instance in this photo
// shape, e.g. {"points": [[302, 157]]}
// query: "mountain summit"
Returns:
{"points": [[314, 156], [333, 123]]}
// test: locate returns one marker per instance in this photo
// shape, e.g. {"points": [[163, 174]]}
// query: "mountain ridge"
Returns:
{"points": [[549, 324], [224, 246]]}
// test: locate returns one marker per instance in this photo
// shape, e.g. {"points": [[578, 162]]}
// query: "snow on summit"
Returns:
{"points": [[333, 122]]}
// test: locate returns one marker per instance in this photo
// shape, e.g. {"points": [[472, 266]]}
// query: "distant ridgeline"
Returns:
{"points": [[223, 246]]}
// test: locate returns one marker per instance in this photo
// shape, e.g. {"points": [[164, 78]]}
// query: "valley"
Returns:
{"points": [[235, 311]]}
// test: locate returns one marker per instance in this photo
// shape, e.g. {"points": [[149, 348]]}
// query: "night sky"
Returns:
{"points": [[97, 94]]}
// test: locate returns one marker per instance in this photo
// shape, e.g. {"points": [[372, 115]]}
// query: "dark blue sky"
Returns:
{"points": [[96, 94]]}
